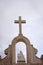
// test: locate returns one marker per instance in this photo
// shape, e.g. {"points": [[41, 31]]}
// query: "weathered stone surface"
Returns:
{"points": [[30, 50]]}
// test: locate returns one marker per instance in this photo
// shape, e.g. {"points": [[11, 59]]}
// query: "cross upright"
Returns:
{"points": [[20, 22]]}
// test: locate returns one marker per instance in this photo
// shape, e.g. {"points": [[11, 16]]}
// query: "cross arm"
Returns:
{"points": [[16, 21], [23, 21]]}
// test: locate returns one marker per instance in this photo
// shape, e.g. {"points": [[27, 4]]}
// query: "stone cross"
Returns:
{"points": [[20, 22]]}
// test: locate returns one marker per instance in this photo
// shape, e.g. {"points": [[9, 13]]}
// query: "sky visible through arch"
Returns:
{"points": [[32, 12], [20, 47]]}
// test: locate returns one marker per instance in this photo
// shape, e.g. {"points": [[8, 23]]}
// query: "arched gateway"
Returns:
{"points": [[21, 38]]}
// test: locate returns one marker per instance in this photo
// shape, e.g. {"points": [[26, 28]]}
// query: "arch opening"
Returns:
{"points": [[20, 48]]}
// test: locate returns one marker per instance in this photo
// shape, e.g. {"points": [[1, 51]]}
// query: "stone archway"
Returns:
{"points": [[17, 39], [10, 51]]}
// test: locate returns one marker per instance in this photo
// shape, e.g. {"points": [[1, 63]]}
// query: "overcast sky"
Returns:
{"points": [[32, 12]]}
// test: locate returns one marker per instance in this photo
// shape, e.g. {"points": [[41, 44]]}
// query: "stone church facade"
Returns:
{"points": [[10, 58]]}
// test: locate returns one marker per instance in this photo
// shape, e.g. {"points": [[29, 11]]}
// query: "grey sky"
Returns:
{"points": [[32, 12]]}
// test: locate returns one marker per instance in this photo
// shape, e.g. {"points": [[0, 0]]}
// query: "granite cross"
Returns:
{"points": [[20, 22]]}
